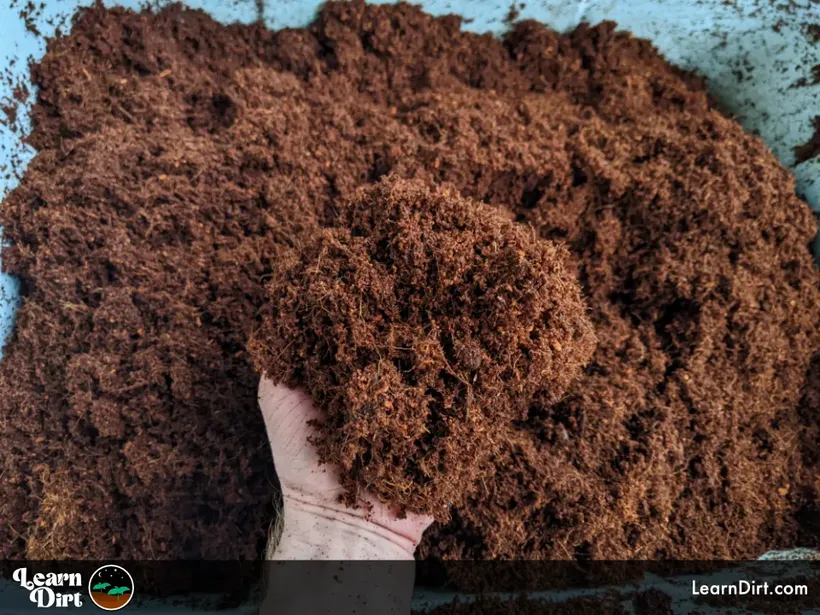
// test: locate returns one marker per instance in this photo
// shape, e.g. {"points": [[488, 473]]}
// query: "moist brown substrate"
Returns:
{"points": [[423, 324], [178, 160]]}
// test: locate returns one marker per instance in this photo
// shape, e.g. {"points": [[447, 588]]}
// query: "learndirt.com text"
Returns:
{"points": [[748, 588]]}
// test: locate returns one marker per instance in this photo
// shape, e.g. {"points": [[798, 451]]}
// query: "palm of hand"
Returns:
{"points": [[287, 413]]}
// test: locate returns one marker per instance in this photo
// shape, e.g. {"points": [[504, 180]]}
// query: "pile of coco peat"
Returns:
{"points": [[186, 171]]}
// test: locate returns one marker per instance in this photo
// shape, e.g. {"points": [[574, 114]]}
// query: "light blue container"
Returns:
{"points": [[753, 54]]}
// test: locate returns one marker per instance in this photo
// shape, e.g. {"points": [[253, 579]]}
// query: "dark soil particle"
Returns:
{"points": [[20, 93], [179, 161], [806, 81], [30, 14], [10, 111], [423, 324], [811, 148], [512, 14]]}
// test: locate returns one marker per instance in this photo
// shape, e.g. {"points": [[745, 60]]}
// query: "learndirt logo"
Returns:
{"points": [[111, 587], [51, 590]]}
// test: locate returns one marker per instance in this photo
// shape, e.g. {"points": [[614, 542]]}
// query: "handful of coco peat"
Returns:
{"points": [[423, 324]]}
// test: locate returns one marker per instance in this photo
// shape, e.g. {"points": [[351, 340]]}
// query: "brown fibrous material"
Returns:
{"points": [[422, 323], [179, 161]]}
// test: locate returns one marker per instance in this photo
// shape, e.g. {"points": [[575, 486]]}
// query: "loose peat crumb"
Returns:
{"points": [[422, 323]]}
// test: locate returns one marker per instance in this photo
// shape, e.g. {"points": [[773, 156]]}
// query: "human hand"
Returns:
{"points": [[316, 524]]}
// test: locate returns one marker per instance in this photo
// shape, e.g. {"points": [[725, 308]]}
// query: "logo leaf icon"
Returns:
{"points": [[101, 586]]}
